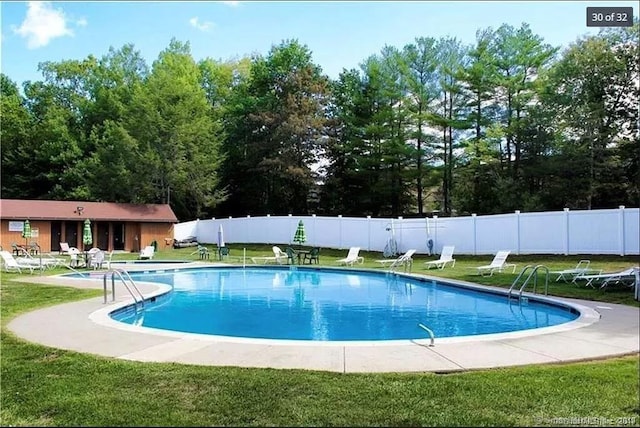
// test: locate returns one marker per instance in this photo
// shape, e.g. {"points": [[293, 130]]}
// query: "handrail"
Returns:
{"points": [[428, 330], [532, 274], [131, 286], [535, 281], [518, 278]]}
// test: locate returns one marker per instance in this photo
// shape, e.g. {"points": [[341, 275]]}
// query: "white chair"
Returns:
{"points": [[97, 259], [74, 257], [445, 257], [147, 253], [629, 276], [12, 264], [582, 268], [405, 260], [498, 263], [278, 257], [352, 257], [64, 248]]}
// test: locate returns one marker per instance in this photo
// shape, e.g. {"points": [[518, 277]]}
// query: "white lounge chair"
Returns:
{"points": [[582, 268], [404, 260], [629, 276], [352, 257], [445, 257], [278, 257], [147, 253], [12, 264], [498, 263], [64, 248]]}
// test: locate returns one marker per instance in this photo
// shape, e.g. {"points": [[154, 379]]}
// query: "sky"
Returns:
{"points": [[340, 34]]}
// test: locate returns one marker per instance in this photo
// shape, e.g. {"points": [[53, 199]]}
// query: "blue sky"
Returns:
{"points": [[339, 34]]}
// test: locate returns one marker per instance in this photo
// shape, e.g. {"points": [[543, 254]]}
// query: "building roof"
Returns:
{"points": [[19, 209]]}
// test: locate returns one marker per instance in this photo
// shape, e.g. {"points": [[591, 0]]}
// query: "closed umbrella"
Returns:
{"points": [[87, 239], [220, 242], [26, 231], [300, 236]]}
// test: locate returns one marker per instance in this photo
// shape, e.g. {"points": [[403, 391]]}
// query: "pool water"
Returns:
{"points": [[329, 305]]}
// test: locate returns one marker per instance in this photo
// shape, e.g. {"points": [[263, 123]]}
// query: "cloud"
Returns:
{"points": [[81, 22], [42, 24], [231, 3], [202, 26]]}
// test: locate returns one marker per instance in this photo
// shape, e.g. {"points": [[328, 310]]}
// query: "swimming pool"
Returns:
{"points": [[323, 304]]}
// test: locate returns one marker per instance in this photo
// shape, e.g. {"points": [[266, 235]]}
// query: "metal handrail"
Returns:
{"points": [[532, 274], [130, 286], [428, 330]]}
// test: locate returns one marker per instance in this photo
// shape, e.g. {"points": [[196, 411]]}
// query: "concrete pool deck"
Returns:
{"points": [[604, 330]]}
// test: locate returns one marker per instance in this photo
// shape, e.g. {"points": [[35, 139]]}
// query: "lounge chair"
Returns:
{"points": [[445, 257], [147, 253], [498, 263], [582, 268], [64, 248], [12, 264], [629, 277], [278, 257], [405, 260], [352, 257]]}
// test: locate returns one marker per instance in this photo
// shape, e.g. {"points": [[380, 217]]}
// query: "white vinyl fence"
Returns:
{"points": [[610, 231]]}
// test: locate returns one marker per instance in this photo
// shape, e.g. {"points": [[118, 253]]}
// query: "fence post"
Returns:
{"points": [[435, 234], [368, 233], [473, 225], [566, 231], [289, 228], [518, 232], [621, 229], [340, 231], [246, 228]]}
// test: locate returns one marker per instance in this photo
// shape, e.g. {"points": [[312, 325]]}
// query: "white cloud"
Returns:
{"points": [[82, 22], [231, 3], [42, 24], [202, 26]]}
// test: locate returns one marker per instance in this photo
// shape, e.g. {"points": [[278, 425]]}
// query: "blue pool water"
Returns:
{"points": [[329, 305]]}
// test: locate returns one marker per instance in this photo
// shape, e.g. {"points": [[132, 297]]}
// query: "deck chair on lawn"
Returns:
{"points": [[445, 257], [582, 268], [352, 257], [278, 257], [498, 263], [12, 264], [405, 260], [628, 277]]}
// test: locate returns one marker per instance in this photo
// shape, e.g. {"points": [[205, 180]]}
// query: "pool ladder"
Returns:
{"points": [[128, 283], [533, 274]]}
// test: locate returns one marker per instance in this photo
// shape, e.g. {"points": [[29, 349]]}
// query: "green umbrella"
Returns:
{"points": [[87, 239], [300, 237], [26, 231]]}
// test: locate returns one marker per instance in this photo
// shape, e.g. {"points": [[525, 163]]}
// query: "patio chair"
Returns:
{"points": [[278, 257], [352, 257], [405, 260], [445, 257], [628, 277], [64, 248], [313, 254], [12, 264], [291, 255], [96, 260], [74, 257], [582, 268], [147, 253], [498, 263]]}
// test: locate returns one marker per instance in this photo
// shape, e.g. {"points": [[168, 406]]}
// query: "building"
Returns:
{"points": [[114, 226]]}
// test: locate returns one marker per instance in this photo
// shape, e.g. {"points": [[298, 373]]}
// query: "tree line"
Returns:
{"points": [[508, 122]]}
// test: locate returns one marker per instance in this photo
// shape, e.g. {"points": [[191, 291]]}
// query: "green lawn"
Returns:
{"points": [[42, 386]]}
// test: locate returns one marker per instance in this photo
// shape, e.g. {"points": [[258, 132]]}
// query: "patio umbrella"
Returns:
{"points": [[220, 237], [299, 236], [26, 231], [87, 239]]}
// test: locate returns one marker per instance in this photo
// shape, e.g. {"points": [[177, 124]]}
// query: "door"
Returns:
{"points": [[118, 236], [71, 233], [103, 236], [56, 235]]}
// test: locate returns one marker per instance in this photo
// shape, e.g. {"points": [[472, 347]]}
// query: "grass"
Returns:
{"points": [[42, 386]]}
